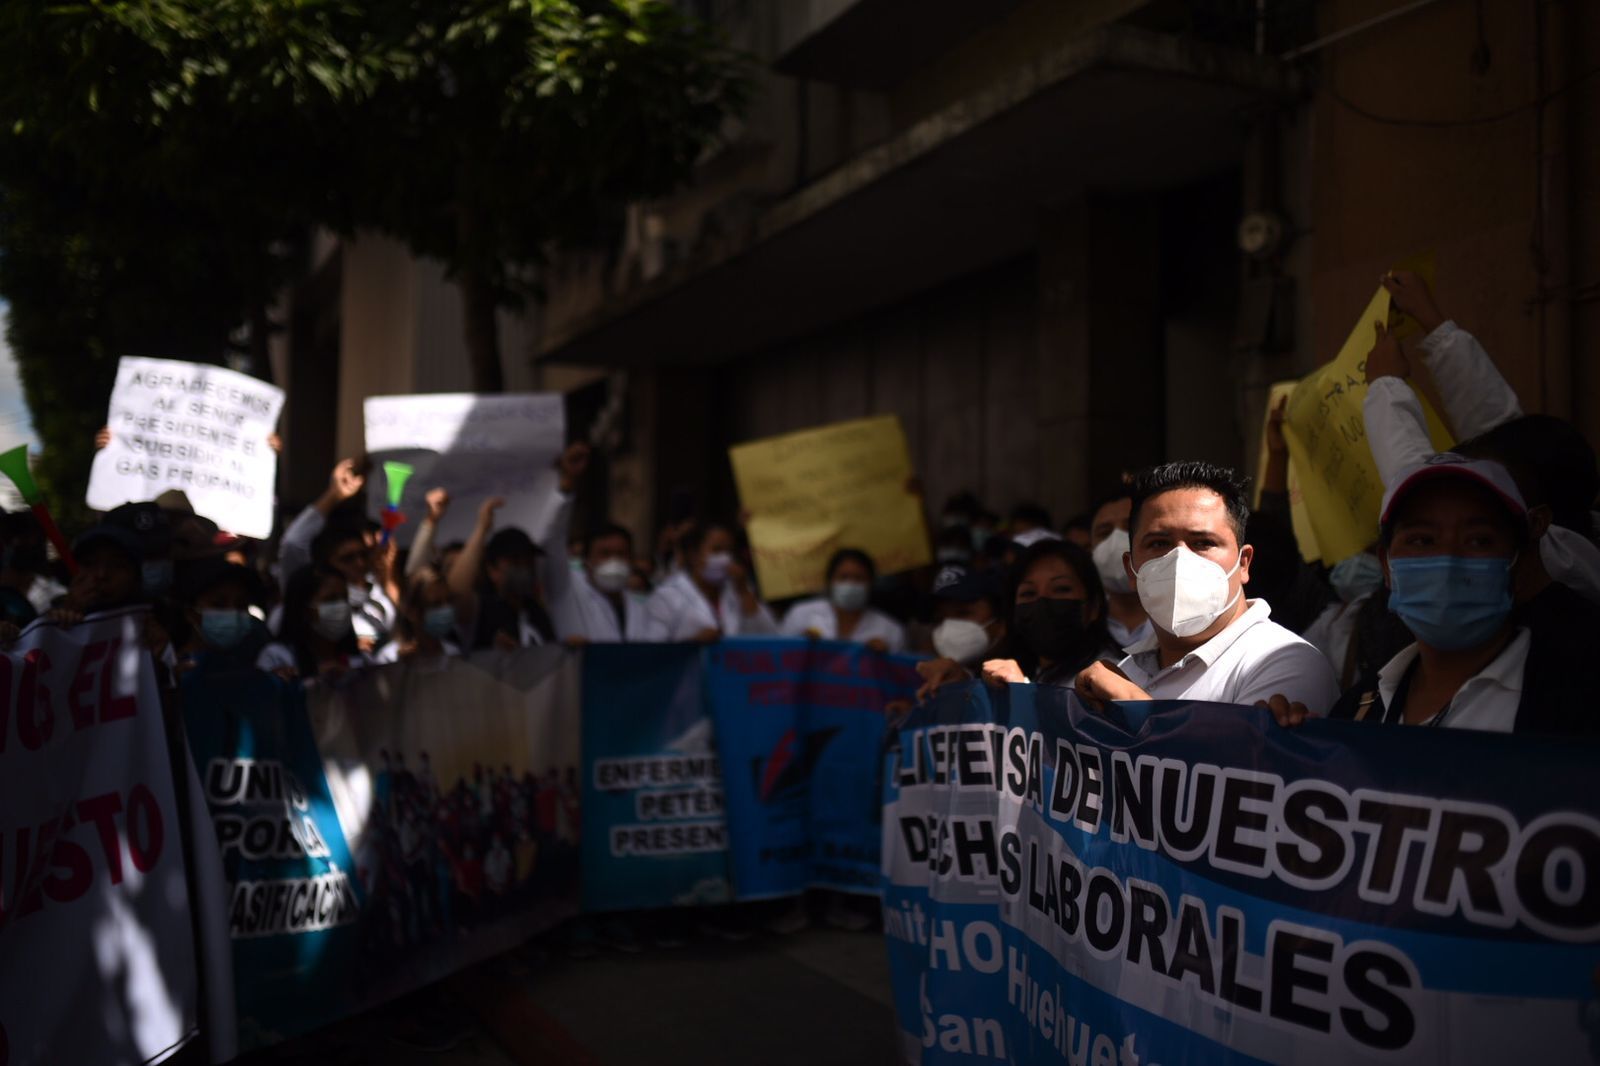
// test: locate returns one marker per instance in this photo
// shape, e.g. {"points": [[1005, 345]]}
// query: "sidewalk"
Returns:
{"points": [[820, 996]]}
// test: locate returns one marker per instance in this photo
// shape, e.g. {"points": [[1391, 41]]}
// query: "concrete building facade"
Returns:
{"points": [[1016, 224]]}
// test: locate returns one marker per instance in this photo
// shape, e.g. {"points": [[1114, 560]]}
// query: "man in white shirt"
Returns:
{"points": [[589, 605], [1189, 567]]}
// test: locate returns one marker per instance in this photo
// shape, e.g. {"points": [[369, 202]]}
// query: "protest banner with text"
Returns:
{"points": [[97, 952], [476, 446], [800, 727], [198, 428], [841, 486], [1201, 886], [654, 829], [293, 897]]}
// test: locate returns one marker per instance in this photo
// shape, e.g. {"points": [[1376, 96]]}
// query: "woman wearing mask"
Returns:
{"points": [[1057, 622], [427, 628], [709, 598], [1452, 530], [843, 614], [1358, 634], [316, 639]]}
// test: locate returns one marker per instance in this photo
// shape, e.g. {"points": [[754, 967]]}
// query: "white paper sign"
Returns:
{"points": [[475, 447], [190, 426]]}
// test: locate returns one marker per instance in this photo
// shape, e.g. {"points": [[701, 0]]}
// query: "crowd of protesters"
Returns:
{"points": [[1465, 610]]}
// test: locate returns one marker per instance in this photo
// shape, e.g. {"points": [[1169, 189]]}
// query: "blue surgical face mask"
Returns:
{"points": [[1451, 602], [440, 621], [156, 576], [223, 629], [1355, 577]]}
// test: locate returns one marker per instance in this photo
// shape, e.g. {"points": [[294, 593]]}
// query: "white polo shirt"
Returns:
{"points": [[818, 616], [1490, 698], [1253, 659], [678, 611]]}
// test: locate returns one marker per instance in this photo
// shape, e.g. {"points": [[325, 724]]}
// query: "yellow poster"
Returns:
{"points": [[811, 493], [1328, 448], [1305, 533]]}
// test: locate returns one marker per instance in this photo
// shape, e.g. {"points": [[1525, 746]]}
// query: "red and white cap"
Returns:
{"points": [[1486, 472]]}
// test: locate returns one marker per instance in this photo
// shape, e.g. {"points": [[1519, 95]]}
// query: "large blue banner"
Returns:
{"points": [[800, 726], [654, 832], [293, 897], [1199, 885]]}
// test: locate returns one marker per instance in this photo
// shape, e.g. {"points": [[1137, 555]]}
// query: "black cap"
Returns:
{"points": [[120, 536], [146, 521], [961, 585], [509, 541], [201, 574]]}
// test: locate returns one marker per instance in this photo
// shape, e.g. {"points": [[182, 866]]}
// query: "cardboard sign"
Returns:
{"points": [[813, 492]]}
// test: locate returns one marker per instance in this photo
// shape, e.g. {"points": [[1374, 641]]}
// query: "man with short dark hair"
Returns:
{"points": [[1189, 564]]}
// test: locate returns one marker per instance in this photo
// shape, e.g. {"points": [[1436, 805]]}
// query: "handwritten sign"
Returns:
{"points": [[819, 490], [1328, 448], [1305, 534], [195, 427], [475, 447]]}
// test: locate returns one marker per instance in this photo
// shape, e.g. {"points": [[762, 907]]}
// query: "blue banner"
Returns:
{"points": [[1194, 884], [800, 727], [654, 831], [293, 898]]}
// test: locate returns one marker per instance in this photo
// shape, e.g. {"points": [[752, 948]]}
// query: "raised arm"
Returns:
{"points": [[1475, 395], [422, 552], [294, 552], [1397, 431], [463, 575], [552, 540]]}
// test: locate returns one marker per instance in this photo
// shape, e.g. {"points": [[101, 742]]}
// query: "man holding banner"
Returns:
{"points": [[1189, 564]]}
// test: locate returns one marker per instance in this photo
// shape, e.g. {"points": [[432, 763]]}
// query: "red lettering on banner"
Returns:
{"points": [[794, 660], [83, 684], [49, 863], [103, 811], [144, 845], [114, 708], [35, 719]]}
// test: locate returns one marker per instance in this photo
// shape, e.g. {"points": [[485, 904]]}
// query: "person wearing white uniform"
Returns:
{"points": [[710, 598], [843, 614], [1189, 566], [1553, 466], [1452, 528], [590, 603], [1126, 620]]}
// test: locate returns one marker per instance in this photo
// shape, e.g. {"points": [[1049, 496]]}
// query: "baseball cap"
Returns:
{"points": [[1485, 472], [120, 536], [1034, 536], [961, 585]]}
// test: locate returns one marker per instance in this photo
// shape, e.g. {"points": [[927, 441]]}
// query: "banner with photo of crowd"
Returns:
{"points": [[1200, 886], [384, 832]]}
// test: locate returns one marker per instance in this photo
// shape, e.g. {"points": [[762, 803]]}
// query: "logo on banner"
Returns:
{"points": [[782, 774]]}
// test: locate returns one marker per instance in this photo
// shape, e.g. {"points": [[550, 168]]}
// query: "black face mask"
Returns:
{"points": [[1051, 629]]}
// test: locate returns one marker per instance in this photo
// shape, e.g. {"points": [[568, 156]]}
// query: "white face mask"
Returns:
{"points": [[961, 640], [1108, 561], [714, 571], [849, 595], [612, 575], [1183, 593]]}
